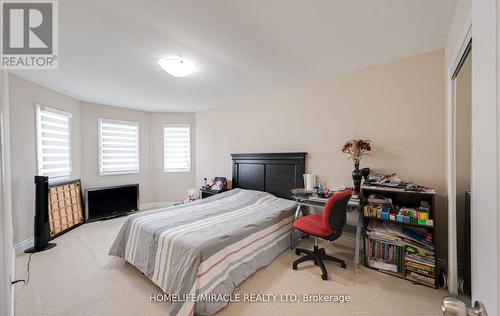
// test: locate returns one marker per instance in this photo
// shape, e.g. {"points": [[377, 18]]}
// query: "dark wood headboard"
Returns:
{"points": [[276, 173]]}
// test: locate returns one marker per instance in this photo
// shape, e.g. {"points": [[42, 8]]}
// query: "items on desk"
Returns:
{"points": [[302, 192], [309, 181], [319, 193], [389, 180], [365, 172], [393, 181], [322, 192]]}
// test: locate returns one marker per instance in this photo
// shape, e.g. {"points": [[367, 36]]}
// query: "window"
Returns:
{"points": [[53, 138], [177, 148], [118, 147]]}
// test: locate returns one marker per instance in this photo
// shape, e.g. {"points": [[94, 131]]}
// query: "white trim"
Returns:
{"points": [[117, 173], [464, 40], [12, 278], [7, 262], [23, 245], [485, 210], [498, 149]]}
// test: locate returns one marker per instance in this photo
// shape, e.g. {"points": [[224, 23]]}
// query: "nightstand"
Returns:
{"points": [[207, 192]]}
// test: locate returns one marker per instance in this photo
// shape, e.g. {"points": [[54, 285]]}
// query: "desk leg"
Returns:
{"points": [[293, 238], [359, 238]]}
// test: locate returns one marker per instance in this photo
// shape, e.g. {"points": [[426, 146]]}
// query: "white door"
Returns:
{"points": [[485, 212], [6, 241]]}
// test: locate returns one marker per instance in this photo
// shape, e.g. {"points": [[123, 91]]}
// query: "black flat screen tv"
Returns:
{"points": [[109, 202]]}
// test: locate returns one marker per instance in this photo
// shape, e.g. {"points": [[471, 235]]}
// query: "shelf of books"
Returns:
{"points": [[402, 247]]}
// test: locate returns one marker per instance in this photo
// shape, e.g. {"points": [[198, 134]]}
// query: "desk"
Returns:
{"points": [[352, 206]]}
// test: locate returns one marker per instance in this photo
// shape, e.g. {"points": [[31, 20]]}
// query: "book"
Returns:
{"points": [[420, 278], [379, 200], [423, 267], [418, 246], [420, 271], [427, 260], [416, 237], [384, 255], [379, 264]]}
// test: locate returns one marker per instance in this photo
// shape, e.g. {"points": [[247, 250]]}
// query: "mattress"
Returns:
{"points": [[208, 247]]}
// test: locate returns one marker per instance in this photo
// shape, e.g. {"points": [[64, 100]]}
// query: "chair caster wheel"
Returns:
{"points": [[324, 277], [323, 251], [294, 267], [297, 252], [315, 263], [343, 266]]}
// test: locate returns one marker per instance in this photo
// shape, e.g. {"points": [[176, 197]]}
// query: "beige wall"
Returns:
{"points": [[399, 106], [24, 95], [90, 115], [171, 186]]}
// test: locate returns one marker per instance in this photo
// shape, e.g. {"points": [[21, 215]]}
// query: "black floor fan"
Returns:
{"points": [[42, 228]]}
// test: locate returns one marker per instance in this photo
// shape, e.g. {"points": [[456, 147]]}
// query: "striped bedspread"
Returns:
{"points": [[206, 247]]}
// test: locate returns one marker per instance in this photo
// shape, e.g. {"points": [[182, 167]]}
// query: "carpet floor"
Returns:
{"points": [[79, 278]]}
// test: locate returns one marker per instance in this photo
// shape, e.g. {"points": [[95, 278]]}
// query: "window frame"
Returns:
{"points": [[99, 137], [177, 170], [38, 130]]}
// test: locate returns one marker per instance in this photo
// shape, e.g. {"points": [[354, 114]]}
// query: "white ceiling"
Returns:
{"points": [[109, 49]]}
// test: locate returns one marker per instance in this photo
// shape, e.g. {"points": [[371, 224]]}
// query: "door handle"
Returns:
{"points": [[452, 306]]}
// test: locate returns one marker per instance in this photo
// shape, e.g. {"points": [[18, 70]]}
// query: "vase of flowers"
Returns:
{"points": [[356, 148]]}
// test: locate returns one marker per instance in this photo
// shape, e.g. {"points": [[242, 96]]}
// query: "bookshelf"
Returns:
{"points": [[400, 233]]}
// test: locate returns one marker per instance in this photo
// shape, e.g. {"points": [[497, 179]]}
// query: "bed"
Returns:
{"points": [[203, 250]]}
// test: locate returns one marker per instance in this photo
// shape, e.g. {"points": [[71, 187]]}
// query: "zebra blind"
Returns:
{"points": [[176, 148], [119, 147], [53, 131]]}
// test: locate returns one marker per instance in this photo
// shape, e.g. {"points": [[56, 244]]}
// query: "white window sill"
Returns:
{"points": [[118, 173], [176, 170]]}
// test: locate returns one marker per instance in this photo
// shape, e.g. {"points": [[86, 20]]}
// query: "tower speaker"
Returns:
{"points": [[41, 216]]}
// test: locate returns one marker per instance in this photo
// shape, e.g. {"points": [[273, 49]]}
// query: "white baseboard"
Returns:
{"points": [[153, 205], [23, 245], [28, 243]]}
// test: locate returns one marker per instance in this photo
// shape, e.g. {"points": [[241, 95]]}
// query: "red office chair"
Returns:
{"points": [[327, 226]]}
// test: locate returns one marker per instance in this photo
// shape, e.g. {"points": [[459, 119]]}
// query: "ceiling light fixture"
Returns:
{"points": [[177, 66]]}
